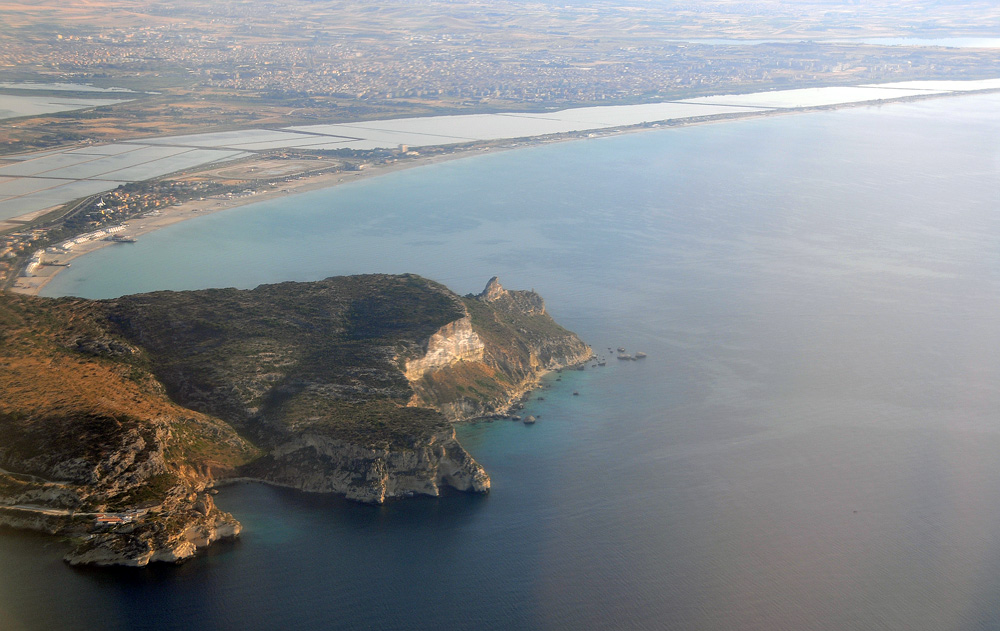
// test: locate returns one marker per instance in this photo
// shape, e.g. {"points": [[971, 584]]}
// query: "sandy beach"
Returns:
{"points": [[55, 263], [135, 228]]}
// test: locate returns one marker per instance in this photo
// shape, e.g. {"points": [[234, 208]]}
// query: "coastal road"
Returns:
{"points": [[58, 512], [32, 478]]}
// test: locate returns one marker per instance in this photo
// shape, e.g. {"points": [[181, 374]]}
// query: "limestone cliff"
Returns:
{"points": [[483, 363], [122, 472], [317, 463], [454, 342], [198, 524]]}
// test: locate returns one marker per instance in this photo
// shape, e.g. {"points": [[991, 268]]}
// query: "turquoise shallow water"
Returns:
{"points": [[811, 443]]}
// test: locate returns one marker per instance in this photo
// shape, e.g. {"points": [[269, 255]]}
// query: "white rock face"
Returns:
{"points": [[452, 343], [180, 551]]}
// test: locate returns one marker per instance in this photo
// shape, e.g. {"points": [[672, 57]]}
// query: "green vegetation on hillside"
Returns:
{"points": [[286, 357]]}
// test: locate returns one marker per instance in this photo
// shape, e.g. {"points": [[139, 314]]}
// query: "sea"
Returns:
{"points": [[921, 42], [812, 443]]}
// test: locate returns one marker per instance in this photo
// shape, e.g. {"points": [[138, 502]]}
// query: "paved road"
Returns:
{"points": [[60, 512], [33, 478]]}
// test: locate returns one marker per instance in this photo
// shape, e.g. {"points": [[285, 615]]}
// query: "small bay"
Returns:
{"points": [[810, 444]]}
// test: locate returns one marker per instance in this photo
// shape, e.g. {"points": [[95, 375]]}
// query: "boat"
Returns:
{"points": [[640, 355]]}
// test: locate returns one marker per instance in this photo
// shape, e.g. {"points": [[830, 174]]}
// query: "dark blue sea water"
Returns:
{"points": [[811, 444]]}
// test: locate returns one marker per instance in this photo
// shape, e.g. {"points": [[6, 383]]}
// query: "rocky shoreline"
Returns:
{"points": [[350, 385]]}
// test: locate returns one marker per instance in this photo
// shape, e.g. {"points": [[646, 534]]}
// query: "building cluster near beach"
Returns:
{"points": [[38, 258], [14, 246], [33, 263], [103, 233]]}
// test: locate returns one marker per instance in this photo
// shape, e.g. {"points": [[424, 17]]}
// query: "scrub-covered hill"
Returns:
{"points": [[129, 409]]}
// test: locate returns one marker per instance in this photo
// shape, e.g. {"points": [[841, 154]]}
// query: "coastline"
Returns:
{"points": [[32, 285]]}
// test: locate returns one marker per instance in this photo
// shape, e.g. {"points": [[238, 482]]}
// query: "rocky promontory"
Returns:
{"points": [[117, 416]]}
